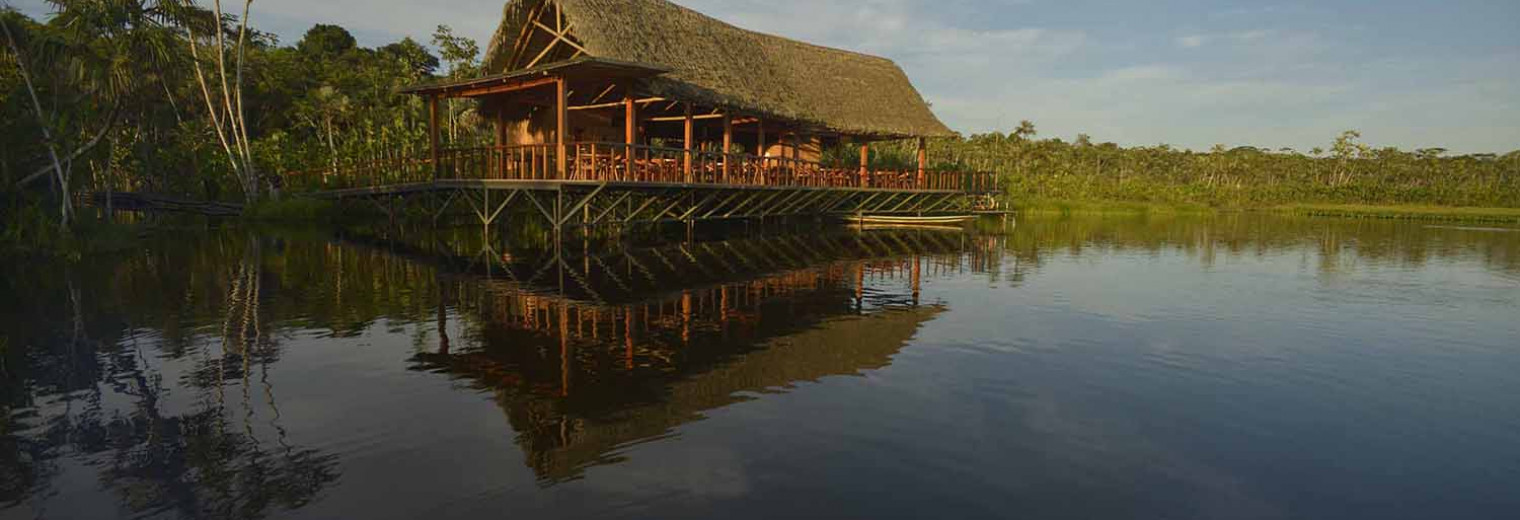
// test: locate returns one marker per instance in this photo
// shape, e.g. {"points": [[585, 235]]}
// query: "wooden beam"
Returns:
{"points": [[608, 90], [923, 159], [630, 129], [687, 142], [524, 38], [760, 148], [561, 123], [728, 143], [562, 35], [485, 90], [615, 104], [672, 119], [865, 161], [543, 53]]}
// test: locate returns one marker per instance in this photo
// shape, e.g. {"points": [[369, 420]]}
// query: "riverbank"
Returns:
{"points": [[1398, 212]]}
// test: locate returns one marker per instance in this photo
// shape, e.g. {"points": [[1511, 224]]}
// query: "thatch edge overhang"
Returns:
{"points": [[572, 68], [716, 64]]}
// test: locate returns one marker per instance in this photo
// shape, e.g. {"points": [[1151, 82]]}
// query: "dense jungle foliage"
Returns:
{"points": [[133, 95], [170, 97]]}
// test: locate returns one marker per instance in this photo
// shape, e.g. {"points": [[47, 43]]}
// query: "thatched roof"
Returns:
{"points": [[717, 64]]}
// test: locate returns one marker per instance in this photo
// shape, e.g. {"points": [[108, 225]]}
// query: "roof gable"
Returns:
{"points": [[718, 64]]}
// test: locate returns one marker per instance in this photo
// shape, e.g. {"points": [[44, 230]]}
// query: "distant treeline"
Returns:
{"points": [[168, 97], [1347, 172]]}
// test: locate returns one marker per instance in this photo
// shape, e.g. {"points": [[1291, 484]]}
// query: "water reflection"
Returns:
{"points": [[172, 421], [585, 361], [151, 382]]}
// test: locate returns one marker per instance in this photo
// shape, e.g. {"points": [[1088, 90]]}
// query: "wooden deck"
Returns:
{"points": [[602, 183]]}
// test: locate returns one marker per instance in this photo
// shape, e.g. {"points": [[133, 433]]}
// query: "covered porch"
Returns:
{"points": [[589, 119]]}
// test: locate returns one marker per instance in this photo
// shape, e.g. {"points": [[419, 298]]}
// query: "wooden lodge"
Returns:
{"points": [[635, 98]]}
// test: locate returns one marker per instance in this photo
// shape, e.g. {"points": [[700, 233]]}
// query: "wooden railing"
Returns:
{"points": [[618, 162]]}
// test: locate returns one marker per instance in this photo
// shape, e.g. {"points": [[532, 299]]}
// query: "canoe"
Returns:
{"points": [[893, 220]]}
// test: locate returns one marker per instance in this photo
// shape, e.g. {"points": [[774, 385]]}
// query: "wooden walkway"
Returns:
{"points": [[628, 184]]}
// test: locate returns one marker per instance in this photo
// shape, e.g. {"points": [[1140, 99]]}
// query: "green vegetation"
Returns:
{"points": [[1054, 174], [169, 97], [292, 209], [1405, 212], [155, 96]]}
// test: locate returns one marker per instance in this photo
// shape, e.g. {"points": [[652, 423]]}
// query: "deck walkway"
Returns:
{"points": [[603, 183]]}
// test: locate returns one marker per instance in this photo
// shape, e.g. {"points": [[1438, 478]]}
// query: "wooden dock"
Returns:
{"points": [[489, 183]]}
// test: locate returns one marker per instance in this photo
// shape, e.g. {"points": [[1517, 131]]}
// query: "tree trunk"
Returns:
{"points": [[66, 208]]}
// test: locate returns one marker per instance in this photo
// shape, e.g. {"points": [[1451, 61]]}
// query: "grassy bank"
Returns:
{"points": [[1107, 207], [1409, 212], [1395, 212]]}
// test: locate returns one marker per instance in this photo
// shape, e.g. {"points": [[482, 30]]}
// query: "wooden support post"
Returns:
{"points": [[728, 142], [433, 136], [561, 123], [687, 143], [865, 162], [760, 149], [630, 130], [923, 158]]}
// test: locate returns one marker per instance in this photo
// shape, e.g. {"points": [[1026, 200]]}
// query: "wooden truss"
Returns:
{"points": [[545, 36]]}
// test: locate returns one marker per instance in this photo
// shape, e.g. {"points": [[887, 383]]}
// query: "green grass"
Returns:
{"points": [[291, 209], [1101, 207], [1409, 212], [1404, 212]]}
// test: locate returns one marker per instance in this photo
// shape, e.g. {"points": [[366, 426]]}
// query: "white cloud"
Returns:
{"points": [[1192, 41]]}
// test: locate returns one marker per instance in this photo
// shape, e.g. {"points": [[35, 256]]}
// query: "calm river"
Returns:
{"points": [[1229, 367]]}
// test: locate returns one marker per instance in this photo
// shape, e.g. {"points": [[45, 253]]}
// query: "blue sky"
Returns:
{"points": [[1191, 73]]}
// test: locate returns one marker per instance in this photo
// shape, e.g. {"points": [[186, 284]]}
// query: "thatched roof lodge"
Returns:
{"points": [[567, 73], [715, 64]]}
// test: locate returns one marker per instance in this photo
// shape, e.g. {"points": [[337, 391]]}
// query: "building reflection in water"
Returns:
{"points": [[589, 354]]}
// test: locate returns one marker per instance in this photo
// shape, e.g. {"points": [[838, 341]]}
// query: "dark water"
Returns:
{"points": [[1233, 367]]}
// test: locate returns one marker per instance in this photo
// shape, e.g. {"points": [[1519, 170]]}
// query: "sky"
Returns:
{"points": [[1190, 73]]}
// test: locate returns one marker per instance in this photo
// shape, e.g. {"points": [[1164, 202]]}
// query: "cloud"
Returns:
{"points": [[1270, 75]]}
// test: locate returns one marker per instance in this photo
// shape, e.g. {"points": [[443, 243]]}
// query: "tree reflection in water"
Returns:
{"points": [[91, 388], [149, 373]]}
